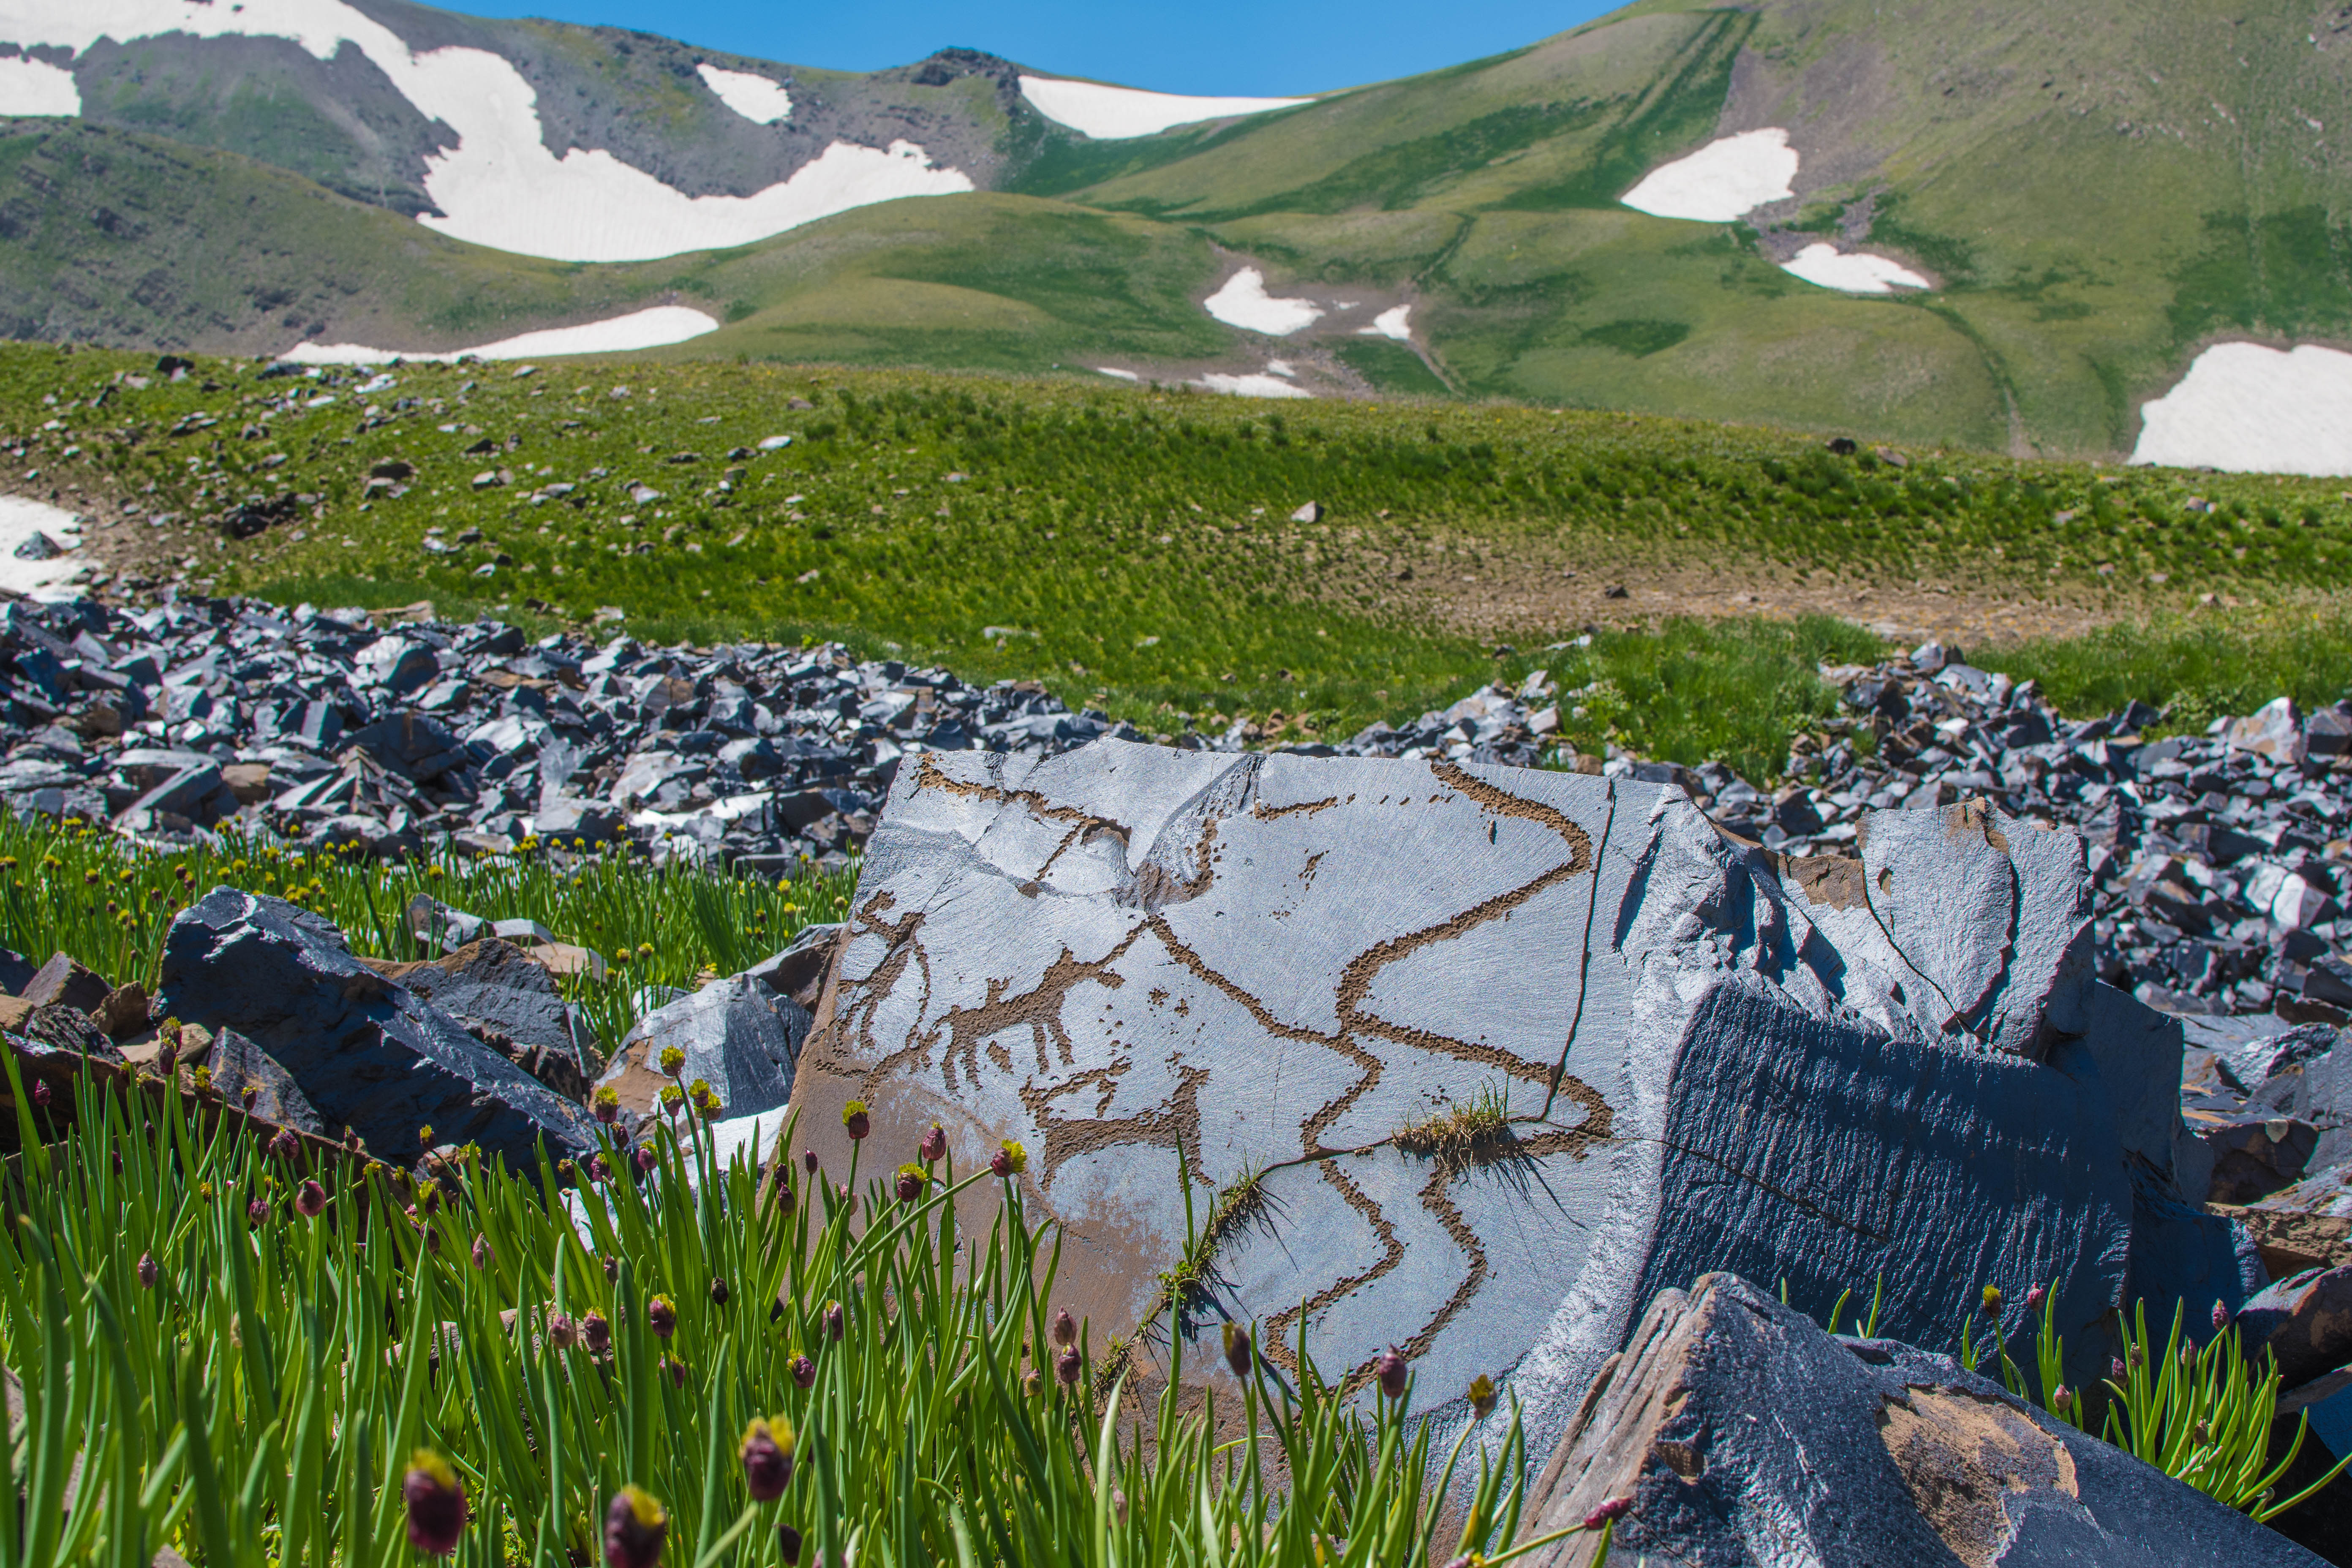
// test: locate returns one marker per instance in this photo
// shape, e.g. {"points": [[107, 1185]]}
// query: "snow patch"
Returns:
{"points": [[1394, 323], [1111, 114], [19, 520], [2250, 409], [1113, 371], [500, 186], [1855, 272], [29, 87], [1244, 302], [1253, 386], [1722, 181], [1282, 367], [755, 98], [653, 329]]}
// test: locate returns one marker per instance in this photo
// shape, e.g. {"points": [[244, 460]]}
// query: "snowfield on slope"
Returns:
{"points": [[1851, 272], [651, 328], [1115, 113], [755, 98], [1244, 302], [1724, 180], [500, 186], [1251, 385], [19, 520], [2250, 409], [38, 88], [1396, 322]]}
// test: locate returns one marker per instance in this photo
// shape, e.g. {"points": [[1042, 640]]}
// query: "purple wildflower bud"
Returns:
{"points": [[1392, 1371], [612, 1270], [596, 1333], [285, 1145], [248, 1094], [148, 1272], [836, 1321], [767, 1456], [437, 1504], [808, 1160], [2060, 1397], [1033, 1383], [999, 1163], [934, 1146], [2221, 1317], [661, 1315], [1615, 1507], [42, 1094], [483, 1252], [788, 1542], [599, 1170], [676, 1369], [562, 1335], [1067, 1365], [2116, 1368], [856, 1121], [2034, 1297], [1065, 1329], [311, 1200], [910, 1184], [257, 1210], [634, 1527], [718, 1291], [803, 1371], [646, 1159], [1239, 1354]]}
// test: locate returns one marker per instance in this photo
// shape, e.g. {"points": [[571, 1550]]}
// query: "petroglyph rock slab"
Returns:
{"points": [[1314, 982]]}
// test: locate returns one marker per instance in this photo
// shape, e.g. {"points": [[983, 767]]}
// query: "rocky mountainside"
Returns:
{"points": [[2007, 230]]}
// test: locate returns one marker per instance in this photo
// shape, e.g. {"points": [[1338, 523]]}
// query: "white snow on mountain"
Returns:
{"points": [[50, 576], [2250, 409], [1112, 113], [1252, 386], [1244, 302], [755, 98], [1394, 322], [1721, 181], [500, 186], [38, 88], [1853, 272], [650, 329]]}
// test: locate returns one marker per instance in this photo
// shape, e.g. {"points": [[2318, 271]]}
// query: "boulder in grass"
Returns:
{"points": [[1475, 1061], [494, 985], [1738, 1433], [67, 982], [365, 1051], [237, 1063], [737, 1035]]}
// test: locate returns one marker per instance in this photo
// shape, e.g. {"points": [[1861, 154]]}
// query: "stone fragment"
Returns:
{"points": [[237, 1064], [1302, 987], [64, 1027], [2304, 1319], [123, 1012], [492, 985], [1743, 1434], [737, 1037], [365, 1051], [65, 982], [2274, 731]]}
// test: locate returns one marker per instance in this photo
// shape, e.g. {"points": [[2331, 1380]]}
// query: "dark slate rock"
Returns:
{"points": [[237, 1064], [366, 1051], [739, 1036], [2305, 1320], [1746, 1436]]}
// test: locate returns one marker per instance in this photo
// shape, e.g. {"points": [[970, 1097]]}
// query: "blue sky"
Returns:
{"points": [[1262, 47]]}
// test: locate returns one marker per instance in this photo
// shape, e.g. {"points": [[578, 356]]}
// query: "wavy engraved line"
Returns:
{"points": [[1276, 1348]]}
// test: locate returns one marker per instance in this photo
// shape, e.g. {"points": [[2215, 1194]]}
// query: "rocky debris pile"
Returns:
{"points": [[198, 715], [1744, 1063], [2223, 873], [1733, 1430]]}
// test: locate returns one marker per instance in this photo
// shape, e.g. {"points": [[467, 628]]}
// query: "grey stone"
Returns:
{"points": [[1149, 964], [737, 1037], [66, 981], [237, 1064], [1743, 1434], [365, 1051], [569, 818], [38, 546], [2305, 1322], [493, 984], [61, 1026]]}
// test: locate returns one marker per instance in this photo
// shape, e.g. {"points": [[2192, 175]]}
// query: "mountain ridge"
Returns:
{"points": [[2033, 222]]}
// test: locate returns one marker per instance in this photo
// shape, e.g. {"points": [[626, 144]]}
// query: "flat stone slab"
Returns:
{"points": [[1475, 1061]]}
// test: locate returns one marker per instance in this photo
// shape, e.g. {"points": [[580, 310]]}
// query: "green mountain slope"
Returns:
{"points": [[2096, 192]]}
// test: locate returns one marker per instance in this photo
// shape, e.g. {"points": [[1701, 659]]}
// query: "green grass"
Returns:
{"points": [[69, 888], [259, 1402], [1145, 536]]}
